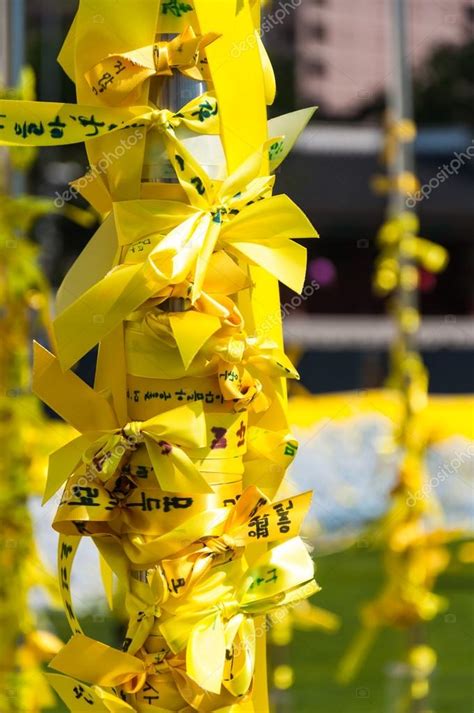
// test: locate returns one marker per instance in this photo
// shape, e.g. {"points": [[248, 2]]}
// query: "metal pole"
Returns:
{"points": [[401, 109], [400, 97]]}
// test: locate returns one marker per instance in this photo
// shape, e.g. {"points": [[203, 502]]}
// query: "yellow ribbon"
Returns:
{"points": [[116, 78], [220, 620], [174, 469], [29, 123], [398, 238], [253, 519], [81, 698], [238, 215], [70, 396]]}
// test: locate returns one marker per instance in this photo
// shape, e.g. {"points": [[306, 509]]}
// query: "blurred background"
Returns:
{"points": [[333, 54]]}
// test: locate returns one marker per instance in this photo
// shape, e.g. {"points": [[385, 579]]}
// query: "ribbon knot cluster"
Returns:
{"points": [[183, 440]]}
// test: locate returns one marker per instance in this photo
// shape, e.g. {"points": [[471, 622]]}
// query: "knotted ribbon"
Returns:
{"points": [[238, 216], [30, 123], [209, 622], [219, 619], [117, 77], [164, 435], [253, 519]]}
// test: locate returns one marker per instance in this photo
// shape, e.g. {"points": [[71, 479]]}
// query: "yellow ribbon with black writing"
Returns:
{"points": [[105, 446], [253, 519], [116, 77], [220, 619], [239, 215], [30, 123]]}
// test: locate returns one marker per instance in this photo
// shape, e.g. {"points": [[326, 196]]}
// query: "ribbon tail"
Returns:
{"points": [[240, 668], [71, 398], [208, 635], [62, 463], [98, 663], [91, 698], [210, 237], [67, 550], [98, 311]]}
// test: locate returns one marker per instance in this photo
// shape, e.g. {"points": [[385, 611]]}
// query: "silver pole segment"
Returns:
{"points": [[400, 96], [172, 94]]}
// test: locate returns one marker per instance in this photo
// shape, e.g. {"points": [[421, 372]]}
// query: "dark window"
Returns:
{"points": [[319, 32], [317, 67]]}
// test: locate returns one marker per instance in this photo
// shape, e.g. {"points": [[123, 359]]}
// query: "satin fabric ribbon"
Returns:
{"points": [[219, 618], [239, 217], [29, 123], [181, 555], [72, 398], [81, 698], [253, 519], [210, 340], [117, 77], [210, 623], [174, 469]]}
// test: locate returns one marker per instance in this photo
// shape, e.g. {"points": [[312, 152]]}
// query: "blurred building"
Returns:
{"points": [[340, 47]]}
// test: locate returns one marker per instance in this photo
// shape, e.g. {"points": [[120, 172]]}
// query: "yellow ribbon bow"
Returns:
{"points": [[105, 443], [238, 216], [117, 77], [164, 437], [218, 619], [253, 519]]}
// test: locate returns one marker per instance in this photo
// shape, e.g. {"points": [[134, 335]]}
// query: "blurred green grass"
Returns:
{"points": [[348, 579]]}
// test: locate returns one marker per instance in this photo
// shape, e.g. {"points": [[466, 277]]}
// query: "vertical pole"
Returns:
{"points": [[4, 82], [401, 109], [400, 97]]}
